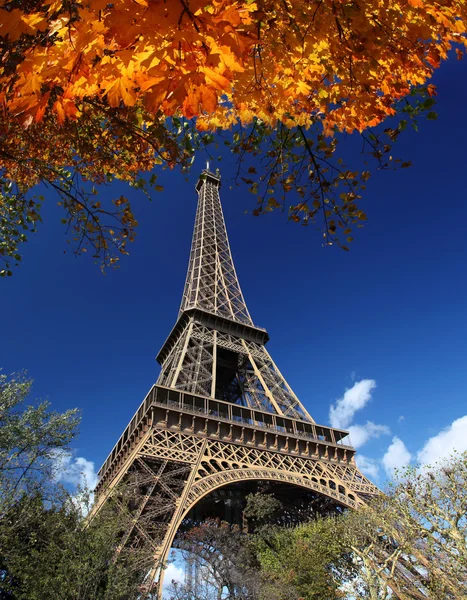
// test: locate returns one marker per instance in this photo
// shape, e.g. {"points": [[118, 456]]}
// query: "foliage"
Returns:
{"points": [[48, 549], [310, 559], [261, 509], [47, 552], [95, 91], [222, 556], [411, 543], [30, 437], [408, 544]]}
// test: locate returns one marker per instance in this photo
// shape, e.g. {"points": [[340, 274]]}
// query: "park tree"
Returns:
{"points": [[93, 91], [49, 548], [407, 544], [30, 438], [222, 562], [267, 557], [411, 542], [310, 561]]}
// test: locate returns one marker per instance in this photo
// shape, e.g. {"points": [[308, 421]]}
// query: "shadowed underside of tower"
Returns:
{"points": [[221, 412]]}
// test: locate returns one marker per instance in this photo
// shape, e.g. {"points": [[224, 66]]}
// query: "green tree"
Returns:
{"points": [[30, 437], [49, 549], [407, 544], [309, 561], [49, 552]]}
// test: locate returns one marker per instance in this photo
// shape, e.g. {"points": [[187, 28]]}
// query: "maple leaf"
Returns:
{"points": [[218, 81], [32, 84], [121, 90], [208, 99], [110, 88]]}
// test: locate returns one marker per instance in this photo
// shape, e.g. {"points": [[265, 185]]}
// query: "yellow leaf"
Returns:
{"points": [[54, 6], [303, 88], [32, 84], [121, 90], [218, 81], [34, 22]]}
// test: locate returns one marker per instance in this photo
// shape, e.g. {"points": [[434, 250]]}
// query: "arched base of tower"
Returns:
{"points": [[180, 454], [228, 504]]}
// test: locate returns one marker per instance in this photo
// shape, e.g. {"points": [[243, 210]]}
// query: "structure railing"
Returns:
{"points": [[227, 413]]}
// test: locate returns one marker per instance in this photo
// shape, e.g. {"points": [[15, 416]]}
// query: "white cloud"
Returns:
{"points": [[401, 418], [354, 399], [360, 434], [396, 456], [77, 471], [368, 466], [442, 445], [173, 573]]}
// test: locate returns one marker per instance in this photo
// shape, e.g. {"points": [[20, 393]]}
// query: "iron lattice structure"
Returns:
{"points": [[220, 412]]}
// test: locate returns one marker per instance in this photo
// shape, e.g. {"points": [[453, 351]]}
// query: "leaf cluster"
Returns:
{"points": [[30, 437], [94, 92]]}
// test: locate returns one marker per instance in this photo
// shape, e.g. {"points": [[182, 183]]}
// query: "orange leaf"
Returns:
{"points": [[42, 106], [218, 81], [191, 104], [60, 111], [121, 90], [208, 99], [32, 84]]}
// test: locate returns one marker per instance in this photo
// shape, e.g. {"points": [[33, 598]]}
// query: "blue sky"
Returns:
{"points": [[386, 321]]}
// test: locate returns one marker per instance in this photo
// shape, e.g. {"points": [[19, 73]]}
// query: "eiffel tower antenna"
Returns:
{"points": [[220, 412]]}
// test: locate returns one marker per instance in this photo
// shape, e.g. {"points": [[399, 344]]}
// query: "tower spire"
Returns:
{"points": [[211, 282]]}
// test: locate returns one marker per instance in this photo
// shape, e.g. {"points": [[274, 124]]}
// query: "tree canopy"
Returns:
{"points": [[94, 91], [48, 548], [30, 438]]}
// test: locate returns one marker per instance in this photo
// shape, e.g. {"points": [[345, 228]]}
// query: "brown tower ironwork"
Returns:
{"points": [[220, 412]]}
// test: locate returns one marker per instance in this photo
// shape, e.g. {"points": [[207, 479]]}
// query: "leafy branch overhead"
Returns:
{"points": [[95, 91]]}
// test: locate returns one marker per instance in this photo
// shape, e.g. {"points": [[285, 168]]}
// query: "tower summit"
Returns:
{"points": [[214, 349], [221, 413]]}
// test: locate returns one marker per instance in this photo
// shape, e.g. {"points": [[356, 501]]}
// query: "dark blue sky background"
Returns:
{"points": [[393, 309]]}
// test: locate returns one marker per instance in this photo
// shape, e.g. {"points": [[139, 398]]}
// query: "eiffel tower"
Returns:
{"points": [[221, 413]]}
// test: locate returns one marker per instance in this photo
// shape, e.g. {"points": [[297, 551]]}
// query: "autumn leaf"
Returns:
{"points": [[32, 84], [121, 90], [117, 89], [58, 108], [218, 81], [208, 99]]}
